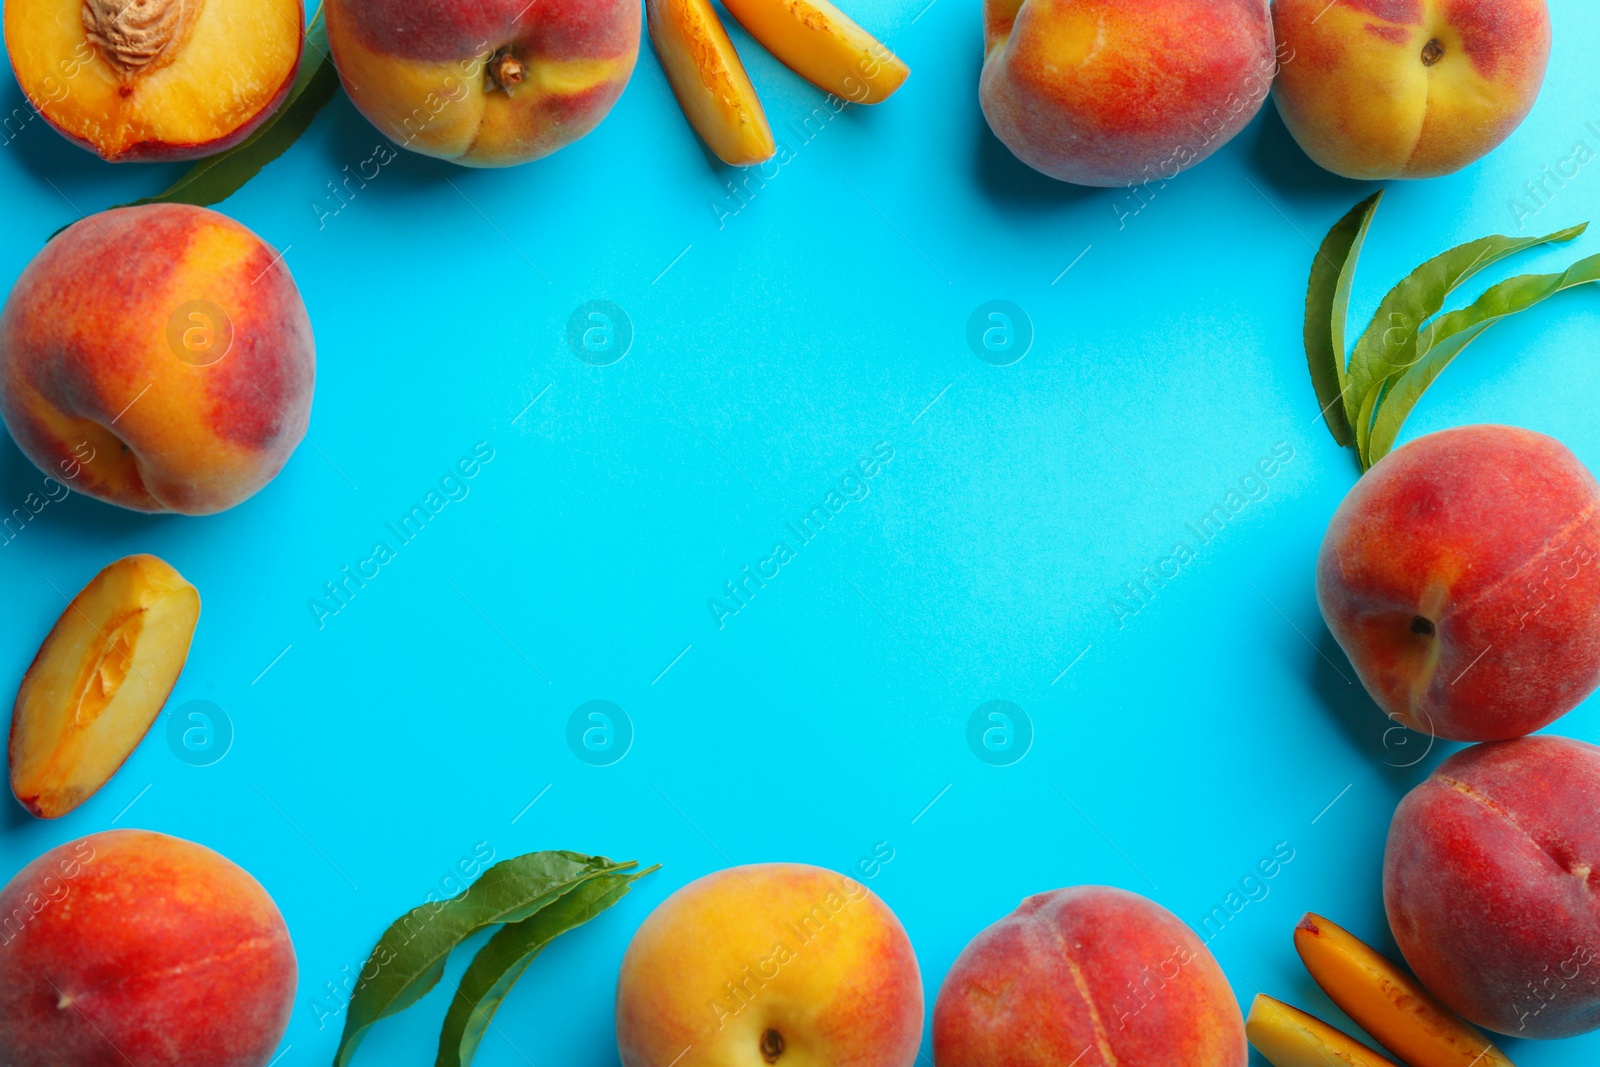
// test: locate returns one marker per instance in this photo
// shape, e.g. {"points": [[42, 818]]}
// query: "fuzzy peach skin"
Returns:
{"points": [[1090, 976], [156, 79], [1492, 884], [132, 947], [1122, 92], [1408, 88], [485, 84], [773, 963], [1461, 576], [158, 358]]}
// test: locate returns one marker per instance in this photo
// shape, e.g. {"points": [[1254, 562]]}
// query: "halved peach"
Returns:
{"points": [[98, 682], [155, 79], [709, 80], [821, 44]]}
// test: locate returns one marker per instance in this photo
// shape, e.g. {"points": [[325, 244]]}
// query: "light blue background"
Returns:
{"points": [[769, 355]]}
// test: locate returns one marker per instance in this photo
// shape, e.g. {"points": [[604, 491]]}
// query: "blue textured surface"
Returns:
{"points": [[773, 347]]}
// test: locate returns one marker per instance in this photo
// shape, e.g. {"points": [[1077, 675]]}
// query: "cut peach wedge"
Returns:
{"points": [[98, 682], [821, 44], [709, 80], [1388, 1004], [1288, 1037]]}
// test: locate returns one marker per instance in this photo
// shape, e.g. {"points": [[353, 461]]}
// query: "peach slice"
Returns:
{"points": [[98, 682], [155, 79], [1288, 1037], [821, 44], [1392, 1007], [709, 80]]}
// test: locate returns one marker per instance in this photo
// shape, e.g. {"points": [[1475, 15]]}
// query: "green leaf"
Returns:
{"points": [[410, 956], [1365, 415], [218, 177], [498, 965], [1327, 304], [1389, 347], [1445, 338]]}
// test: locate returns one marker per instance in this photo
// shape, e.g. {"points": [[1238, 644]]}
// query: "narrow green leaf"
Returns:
{"points": [[1327, 305], [1364, 424], [410, 956], [1389, 347], [498, 965], [215, 178], [1445, 338]]}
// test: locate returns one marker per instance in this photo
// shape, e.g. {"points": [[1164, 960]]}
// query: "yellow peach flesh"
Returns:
{"points": [[1289, 1037], [710, 81], [225, 68], [1388, 1004], [99, 681], [822, 45]]}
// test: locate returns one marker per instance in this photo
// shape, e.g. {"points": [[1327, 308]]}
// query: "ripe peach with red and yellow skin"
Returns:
{"points": [[1461, 576], [773, 963], [486, 84], [1090, 975], [158, 358], [1492, 884], [1408, 88], [155, 79], [135, 947], [1108, 93]]}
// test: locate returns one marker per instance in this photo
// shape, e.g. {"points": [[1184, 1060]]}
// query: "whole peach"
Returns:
{"points": [[159, 358], [1492, 884], [771, 963], [1092, 976], [1408, 88], [485, 84], [1110, 93], [1462, 577], [131, 947]]}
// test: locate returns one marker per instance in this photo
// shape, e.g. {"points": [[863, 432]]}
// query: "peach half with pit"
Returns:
{"points": [[155, 79]]}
